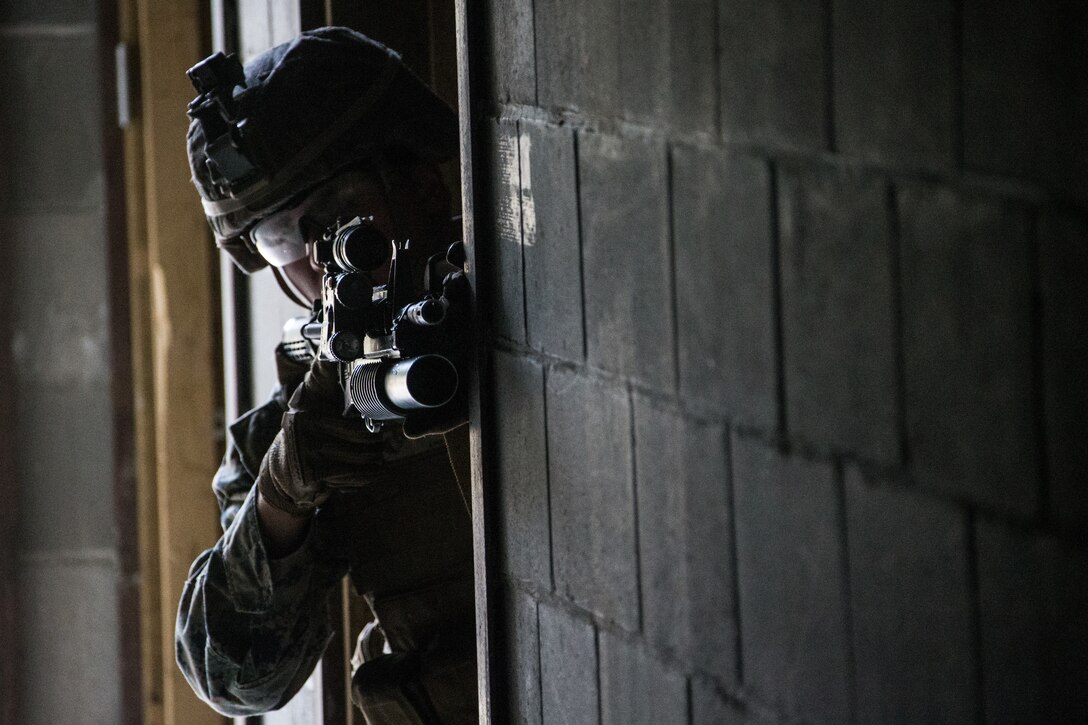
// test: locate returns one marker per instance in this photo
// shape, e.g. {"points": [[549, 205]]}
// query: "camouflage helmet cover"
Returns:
{"points": [[310, 107]]}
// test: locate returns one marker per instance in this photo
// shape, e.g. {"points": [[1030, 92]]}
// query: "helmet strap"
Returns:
{"points": [[289, 289]]}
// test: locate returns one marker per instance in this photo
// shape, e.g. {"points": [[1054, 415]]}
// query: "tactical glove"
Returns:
{"points": [[317, 450]]}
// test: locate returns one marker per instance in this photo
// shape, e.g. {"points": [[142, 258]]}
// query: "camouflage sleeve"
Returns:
{"points": [[249, 629], [249, 439], [231, 485]]}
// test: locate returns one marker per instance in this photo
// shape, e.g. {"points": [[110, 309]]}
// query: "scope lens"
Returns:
{"points": [[353, 291], [361, 248], [345, 346]]}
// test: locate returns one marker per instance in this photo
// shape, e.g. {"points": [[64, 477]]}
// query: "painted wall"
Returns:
{"points": [[787, 355]]}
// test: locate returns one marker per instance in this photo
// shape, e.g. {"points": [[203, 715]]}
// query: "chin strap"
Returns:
{"points": [[288, 289]]}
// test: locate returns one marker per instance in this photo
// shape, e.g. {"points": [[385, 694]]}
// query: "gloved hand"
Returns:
{"points": [[317, 450]]}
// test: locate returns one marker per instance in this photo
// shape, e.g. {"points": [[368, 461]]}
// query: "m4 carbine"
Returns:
{"points": [[399, 350]]}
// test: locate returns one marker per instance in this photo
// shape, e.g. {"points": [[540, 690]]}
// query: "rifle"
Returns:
{"points": [[401, 352]]}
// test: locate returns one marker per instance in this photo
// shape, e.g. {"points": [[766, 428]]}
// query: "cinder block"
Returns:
{"points": [[837, 312], [1013, 630], [577, 60], [511, 61], [60, 314], [65, 469], [48, 15], [553, 256], [695, 95], [69, 632], [592, 501], [709, 707], [508, 293], [521, 449], [1021, 114], [1033, 596], [794, 647], [667, 63], [568, 668], [51, 163], [522, 658], [1069, 640], [60, 347], [685, 540], [625, 253], [774, 73], [895, 74], [725, 283], [967, 347], [645, 70], [910, 596], [1063, 253], [636, 688]]}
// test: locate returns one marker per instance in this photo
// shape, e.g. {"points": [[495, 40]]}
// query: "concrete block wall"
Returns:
{"points": [[788, 346], [55, 281]]}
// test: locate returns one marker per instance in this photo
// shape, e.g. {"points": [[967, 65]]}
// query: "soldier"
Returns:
{"points": [[328, 126]]}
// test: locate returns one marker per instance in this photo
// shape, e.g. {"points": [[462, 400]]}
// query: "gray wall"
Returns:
{"points": [[52, 213], [787, 357]]}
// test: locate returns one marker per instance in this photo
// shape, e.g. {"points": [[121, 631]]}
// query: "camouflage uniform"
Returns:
{"points": [[250, 629]]}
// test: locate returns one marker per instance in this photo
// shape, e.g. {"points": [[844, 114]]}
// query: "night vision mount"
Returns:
{"points": [[216, 109]]}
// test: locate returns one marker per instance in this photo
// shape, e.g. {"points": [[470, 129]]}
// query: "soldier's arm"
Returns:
{"points": [[251, 627], [281, 532]]}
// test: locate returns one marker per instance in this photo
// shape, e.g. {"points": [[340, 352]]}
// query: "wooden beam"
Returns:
{"points": [[335, 672], [10, 675], [175, 354], [125, 465], [480, 402], [147, 523]]}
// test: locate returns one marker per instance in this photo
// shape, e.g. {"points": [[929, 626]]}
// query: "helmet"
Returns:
{"points": [[262, 137]]}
